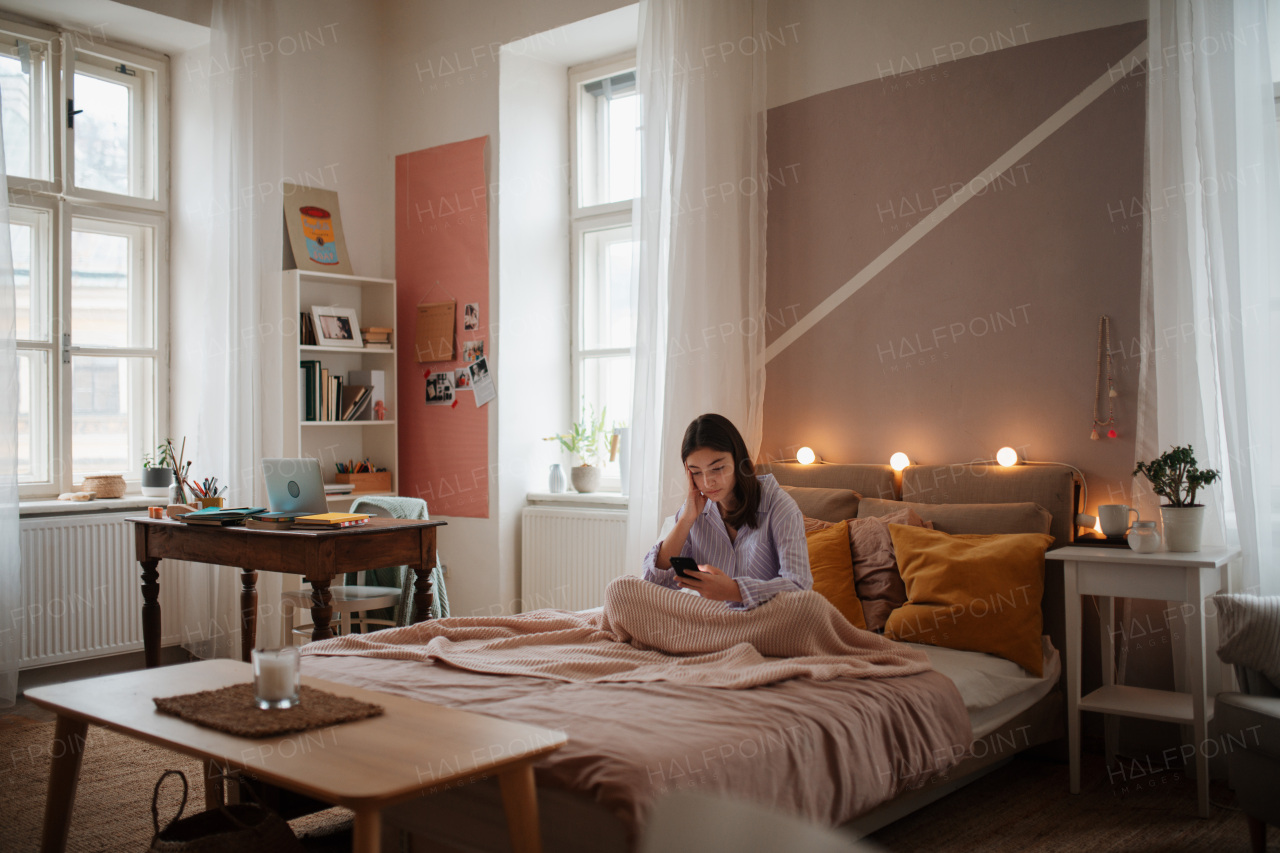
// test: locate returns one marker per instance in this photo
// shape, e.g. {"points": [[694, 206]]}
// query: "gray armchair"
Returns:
{"points": [[1248, 722]]}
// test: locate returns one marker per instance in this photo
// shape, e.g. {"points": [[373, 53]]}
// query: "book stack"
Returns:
{"points": [[306, 329], [377, 337], [219, 517], [330, 520], [271, 520]]}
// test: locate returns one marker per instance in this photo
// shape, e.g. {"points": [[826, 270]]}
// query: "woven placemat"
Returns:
{"points": [[234, 710]]}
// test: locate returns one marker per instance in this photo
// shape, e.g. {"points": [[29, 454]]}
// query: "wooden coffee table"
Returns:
{"points": [[366, 765]]}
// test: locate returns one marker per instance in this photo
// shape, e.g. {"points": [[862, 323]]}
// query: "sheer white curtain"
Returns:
{"points": [[240, 374], [699, 341], [1210, 295], [10, 558]]}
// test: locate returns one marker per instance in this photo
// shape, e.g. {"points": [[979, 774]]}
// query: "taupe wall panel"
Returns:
{"points": [[983, 333]]}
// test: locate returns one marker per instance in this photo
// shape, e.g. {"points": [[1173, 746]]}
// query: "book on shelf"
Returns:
{"points": [[354, 399], [306, 329], [377, 382], [377, 335], [311, 392]]}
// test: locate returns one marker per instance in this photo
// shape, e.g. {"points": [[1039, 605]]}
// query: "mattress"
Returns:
{"points": [[994, 690]]}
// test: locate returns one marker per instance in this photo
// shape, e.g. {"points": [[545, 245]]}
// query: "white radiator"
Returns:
{"points": [[81, 590], [568, 556]]}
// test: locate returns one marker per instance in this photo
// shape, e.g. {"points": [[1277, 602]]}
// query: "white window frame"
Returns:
{"points": [[64, 203], [585, 219]]}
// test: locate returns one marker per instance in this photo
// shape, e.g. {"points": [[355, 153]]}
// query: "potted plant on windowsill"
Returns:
{"points": [[1175, 477], [157, 472], [589, 441]]}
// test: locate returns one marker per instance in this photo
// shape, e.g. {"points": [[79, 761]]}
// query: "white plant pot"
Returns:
{"points": [[586, 478], [1182, 526]]}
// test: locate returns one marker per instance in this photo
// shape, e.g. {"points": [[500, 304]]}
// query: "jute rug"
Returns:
{"points": [[113, 801]]}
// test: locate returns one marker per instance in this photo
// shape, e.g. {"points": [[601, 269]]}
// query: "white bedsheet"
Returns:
{"points": [[994, 690]]}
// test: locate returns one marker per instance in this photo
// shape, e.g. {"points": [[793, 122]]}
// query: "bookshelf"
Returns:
{"points": [[332, 441]]}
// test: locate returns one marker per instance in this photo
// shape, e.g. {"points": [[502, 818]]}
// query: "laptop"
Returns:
{"points": [[294, 486]]}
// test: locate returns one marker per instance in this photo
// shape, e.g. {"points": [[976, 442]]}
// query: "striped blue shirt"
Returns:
{"points": [[767, 559]]}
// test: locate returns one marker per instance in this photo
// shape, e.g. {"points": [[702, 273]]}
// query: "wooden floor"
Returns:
{"points": [[1024, 806]]}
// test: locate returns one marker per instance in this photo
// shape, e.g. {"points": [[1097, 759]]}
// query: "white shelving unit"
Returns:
{"points": [[374, 301]]}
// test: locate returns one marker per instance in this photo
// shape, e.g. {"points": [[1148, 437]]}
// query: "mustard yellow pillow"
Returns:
{"points": [[972, 592], [831, 563]]}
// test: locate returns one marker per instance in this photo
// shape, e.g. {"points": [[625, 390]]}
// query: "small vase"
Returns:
{"points": [[586, 478], [556, 483], [156, 481], [1143, 538], [1182, 526]]}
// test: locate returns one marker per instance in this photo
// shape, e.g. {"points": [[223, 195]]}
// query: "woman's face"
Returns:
{"points": [[712, 472]]}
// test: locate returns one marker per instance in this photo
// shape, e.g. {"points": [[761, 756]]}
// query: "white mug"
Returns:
{"points": [[1115, 519]]}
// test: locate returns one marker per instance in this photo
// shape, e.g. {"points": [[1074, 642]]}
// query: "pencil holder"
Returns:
{"points": [[205, 503]]}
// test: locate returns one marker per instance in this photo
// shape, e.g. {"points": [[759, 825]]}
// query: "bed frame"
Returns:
{"points": [[469, 819]]}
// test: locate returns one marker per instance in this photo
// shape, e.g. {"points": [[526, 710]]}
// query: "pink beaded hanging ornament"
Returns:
{"points": [[1104, 352]]}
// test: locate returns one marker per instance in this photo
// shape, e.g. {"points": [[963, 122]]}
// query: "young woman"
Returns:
{"points": [[746, 533]]}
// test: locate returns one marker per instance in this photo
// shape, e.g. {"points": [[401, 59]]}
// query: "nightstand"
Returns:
{"points": [[1111, 573]]}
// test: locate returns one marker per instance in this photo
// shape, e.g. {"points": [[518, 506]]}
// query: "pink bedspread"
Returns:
{"points": [[827, 750]]}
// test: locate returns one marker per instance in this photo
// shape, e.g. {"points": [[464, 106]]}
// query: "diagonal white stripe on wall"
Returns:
{"points": [[979, 183]]}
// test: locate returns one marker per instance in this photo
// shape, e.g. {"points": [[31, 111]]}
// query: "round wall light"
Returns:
{"points": [[898, 461], [806, 456], [1007, 456]]}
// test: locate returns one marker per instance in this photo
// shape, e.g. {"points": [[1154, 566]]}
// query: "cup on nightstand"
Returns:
{"points": [[1115, 519]]}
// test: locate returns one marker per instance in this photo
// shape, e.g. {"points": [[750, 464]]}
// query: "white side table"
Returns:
{"points": [[1112, 573]]}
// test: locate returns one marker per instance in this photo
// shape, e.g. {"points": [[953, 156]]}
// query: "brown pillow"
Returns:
{"points": [[832, 570], [968, 518], [834, 505], [875, 568]]}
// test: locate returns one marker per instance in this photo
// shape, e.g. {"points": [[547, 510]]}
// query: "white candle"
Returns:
{"points": [[275, 674]]}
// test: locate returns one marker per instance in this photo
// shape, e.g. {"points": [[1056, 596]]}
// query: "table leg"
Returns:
{"points": [[68, 749], [520, 802], [367, 832], [214, 789], [321, 610], [423, 594], [1071, 586], [1111, 722], [248, 613], [1196, 684], [151, 612]]}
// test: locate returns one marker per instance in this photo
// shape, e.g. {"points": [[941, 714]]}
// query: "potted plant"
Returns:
{"points": [[157, 471], [589, 441], [1175, 477]]}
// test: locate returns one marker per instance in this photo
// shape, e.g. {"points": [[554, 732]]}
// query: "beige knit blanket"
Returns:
{"points": [[647, 632]]}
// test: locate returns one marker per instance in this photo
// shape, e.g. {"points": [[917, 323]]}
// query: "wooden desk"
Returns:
{"points": [[411, 750], [317, 555]]}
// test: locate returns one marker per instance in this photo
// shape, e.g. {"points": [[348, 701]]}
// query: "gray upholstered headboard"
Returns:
{"points": [[1049, 485]]}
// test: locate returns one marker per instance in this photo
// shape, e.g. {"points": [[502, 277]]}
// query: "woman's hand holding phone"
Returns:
{"points": [[707, 581]]}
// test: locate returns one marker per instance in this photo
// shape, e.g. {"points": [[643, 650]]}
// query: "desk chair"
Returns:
{"points": [[351, 604]]}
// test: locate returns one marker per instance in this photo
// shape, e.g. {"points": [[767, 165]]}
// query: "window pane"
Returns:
{"points": [[608, 140], [110, 288], [112, 414], [102, 135], [606, 387], [22, 109], [33, 416], [606, 288], [30, 272]]}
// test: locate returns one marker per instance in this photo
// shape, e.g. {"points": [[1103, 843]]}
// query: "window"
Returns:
{"points": [[84, 125], [605, 149]]}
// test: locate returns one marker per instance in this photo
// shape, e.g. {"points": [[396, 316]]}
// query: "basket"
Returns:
{"points": [[373, 481], [104, 485]]}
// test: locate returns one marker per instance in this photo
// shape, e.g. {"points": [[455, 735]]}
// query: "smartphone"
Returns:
{"points": [[685, 566]]}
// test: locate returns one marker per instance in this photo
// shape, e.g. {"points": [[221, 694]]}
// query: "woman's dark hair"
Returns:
{"points": [[716, 432]]}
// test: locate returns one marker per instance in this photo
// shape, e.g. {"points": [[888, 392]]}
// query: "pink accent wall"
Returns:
{"points": [[442, 236], [983, 334]]}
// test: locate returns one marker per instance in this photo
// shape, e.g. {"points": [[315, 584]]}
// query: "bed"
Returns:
{"points": [[855, 753]]}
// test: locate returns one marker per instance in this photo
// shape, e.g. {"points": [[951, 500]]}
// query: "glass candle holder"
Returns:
{"points": [[276, 677]]}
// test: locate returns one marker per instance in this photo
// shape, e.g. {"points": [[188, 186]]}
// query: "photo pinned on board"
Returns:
{"points": [[440, 389], [462, 379], [472, 350], [481, 381], [471, 317]]}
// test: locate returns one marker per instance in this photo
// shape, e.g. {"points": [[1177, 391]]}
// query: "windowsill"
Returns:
{"points": [[44, 508], [607, 500]]}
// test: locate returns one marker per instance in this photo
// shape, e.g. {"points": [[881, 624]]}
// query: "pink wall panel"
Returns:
{"points": [[442, 254]]}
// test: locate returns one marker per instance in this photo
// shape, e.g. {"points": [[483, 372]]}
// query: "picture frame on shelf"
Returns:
{"points": [[336, 326]]}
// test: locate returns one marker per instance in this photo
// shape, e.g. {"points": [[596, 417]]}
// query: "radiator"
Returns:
{"points": [[568, 556], [81, 590]]}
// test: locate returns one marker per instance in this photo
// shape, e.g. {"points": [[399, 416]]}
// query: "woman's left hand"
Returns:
{"points": [[715, 584]]}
